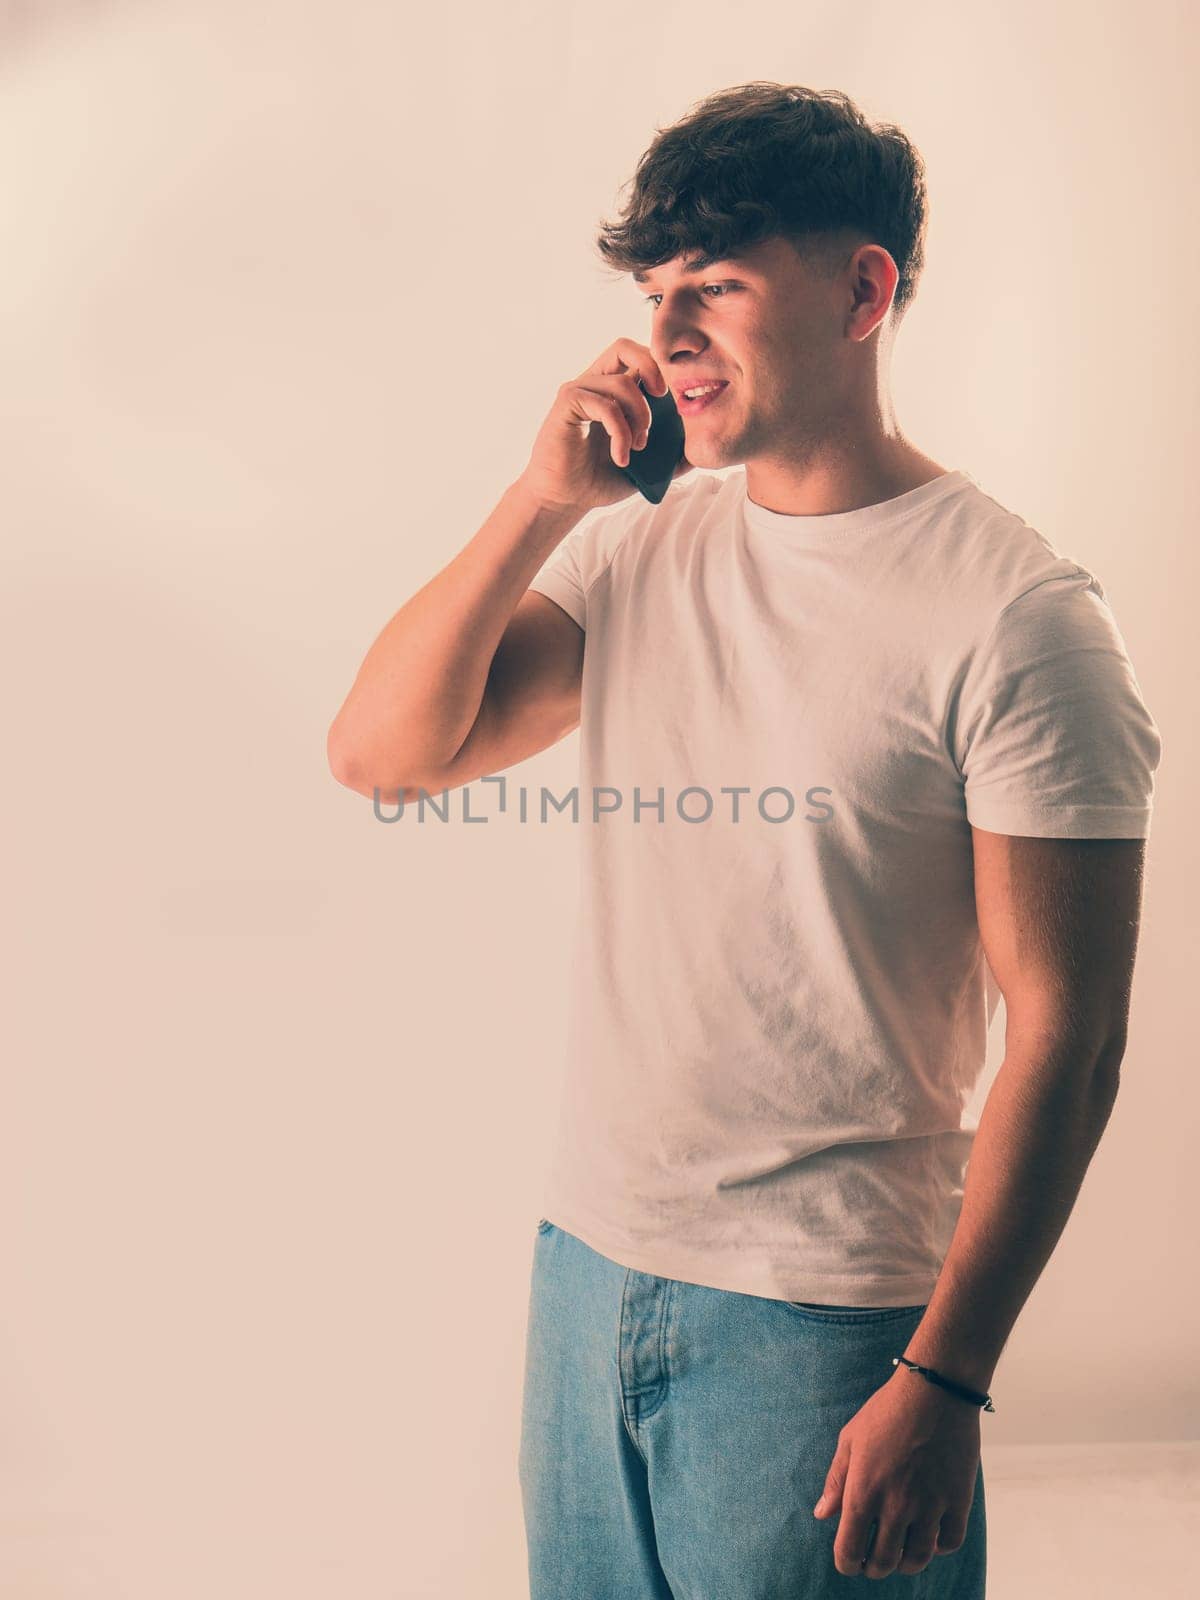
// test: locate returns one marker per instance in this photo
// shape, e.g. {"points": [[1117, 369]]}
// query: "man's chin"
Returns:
{"points": [[712, 453]]}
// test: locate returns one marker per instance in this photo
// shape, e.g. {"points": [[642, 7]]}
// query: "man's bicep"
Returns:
{"points": [[1058, 919], [532, 696]]}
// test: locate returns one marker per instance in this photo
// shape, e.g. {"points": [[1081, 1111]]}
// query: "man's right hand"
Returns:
{"points": [[574, 467]]}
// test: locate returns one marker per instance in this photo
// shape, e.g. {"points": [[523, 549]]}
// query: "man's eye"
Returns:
{"points": [[653, 299]]}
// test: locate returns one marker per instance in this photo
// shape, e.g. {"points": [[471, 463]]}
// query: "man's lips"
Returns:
{"points": [[688, 407], [695, 383]]}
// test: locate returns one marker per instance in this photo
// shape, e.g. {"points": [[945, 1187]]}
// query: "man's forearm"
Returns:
{"points": [[1037, 1133], [421, 684]]}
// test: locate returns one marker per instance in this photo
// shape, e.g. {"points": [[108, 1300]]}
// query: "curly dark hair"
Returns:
{"points": [[763, 160]]}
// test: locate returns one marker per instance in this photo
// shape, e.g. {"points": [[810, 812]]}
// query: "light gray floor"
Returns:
{"points": [[1098, 1521], [1093, 1521]]}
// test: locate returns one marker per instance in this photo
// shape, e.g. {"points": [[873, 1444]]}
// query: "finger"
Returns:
{"points": [[952, 1532], [591, 405], [884, 1556], [920, 1546], [640, 414], [623, 387], [835, 1478], [853, 1537], [629, 355]]}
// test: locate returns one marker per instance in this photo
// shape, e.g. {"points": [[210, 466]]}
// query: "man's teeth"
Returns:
{"points": [[690, 394]]}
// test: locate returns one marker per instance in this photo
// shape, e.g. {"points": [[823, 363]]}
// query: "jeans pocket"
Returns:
{"points": [[852, 1314]]}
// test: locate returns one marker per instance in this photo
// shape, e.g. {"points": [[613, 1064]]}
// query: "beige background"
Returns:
{"points": [[285, 291]]}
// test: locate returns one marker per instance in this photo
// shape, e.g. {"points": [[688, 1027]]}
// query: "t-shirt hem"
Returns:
{"points": [[768, 1279], [561, 592], [1062, 822]]}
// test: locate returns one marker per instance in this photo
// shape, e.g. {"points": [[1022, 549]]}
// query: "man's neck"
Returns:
{"points": [[839, 485]]}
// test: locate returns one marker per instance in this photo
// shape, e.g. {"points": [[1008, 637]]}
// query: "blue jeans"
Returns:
{"points": [[675, 1438]]}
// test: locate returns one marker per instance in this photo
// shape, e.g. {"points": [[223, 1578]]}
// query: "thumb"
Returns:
{"points": [[835, 1481]]}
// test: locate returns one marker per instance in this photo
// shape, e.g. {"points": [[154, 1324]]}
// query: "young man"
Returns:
{"points": [[852, 734]]}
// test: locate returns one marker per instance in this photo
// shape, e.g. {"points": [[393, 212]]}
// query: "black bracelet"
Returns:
{"points": [[973, 1395]]}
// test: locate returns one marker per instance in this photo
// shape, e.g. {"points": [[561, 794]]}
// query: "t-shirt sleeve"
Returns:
{"points": [[572, 569], [1053, 738], [561, 576]]}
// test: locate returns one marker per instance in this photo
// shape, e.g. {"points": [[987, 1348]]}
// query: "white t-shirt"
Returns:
{"points": [[780, 1004]]}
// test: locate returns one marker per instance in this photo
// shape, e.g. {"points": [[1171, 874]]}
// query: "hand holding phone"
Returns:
{"points": [[605, 431], [652, 469]]}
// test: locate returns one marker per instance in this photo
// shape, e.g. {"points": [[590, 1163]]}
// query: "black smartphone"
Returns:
{"points": [[651, 470]]}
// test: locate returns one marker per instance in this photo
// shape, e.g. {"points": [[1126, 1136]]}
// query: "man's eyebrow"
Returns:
{"points": [[696, 264]]}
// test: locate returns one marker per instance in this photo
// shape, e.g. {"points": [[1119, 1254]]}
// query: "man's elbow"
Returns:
{"points": [[352, 772], [1111, 1053], [344, 763]]}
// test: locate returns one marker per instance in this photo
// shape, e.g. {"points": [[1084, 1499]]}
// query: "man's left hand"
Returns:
{"points": [[908, 1458]]}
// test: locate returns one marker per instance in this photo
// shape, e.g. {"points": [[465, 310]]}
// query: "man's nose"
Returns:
{"points": [[681, 343]]}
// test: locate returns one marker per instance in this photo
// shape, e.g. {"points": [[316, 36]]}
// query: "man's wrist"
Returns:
{"points": [[971, 1373], [930, 1379]]}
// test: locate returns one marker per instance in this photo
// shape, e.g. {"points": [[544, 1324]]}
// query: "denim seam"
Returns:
{"points": [[665, 1381], [621, 1396]]}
